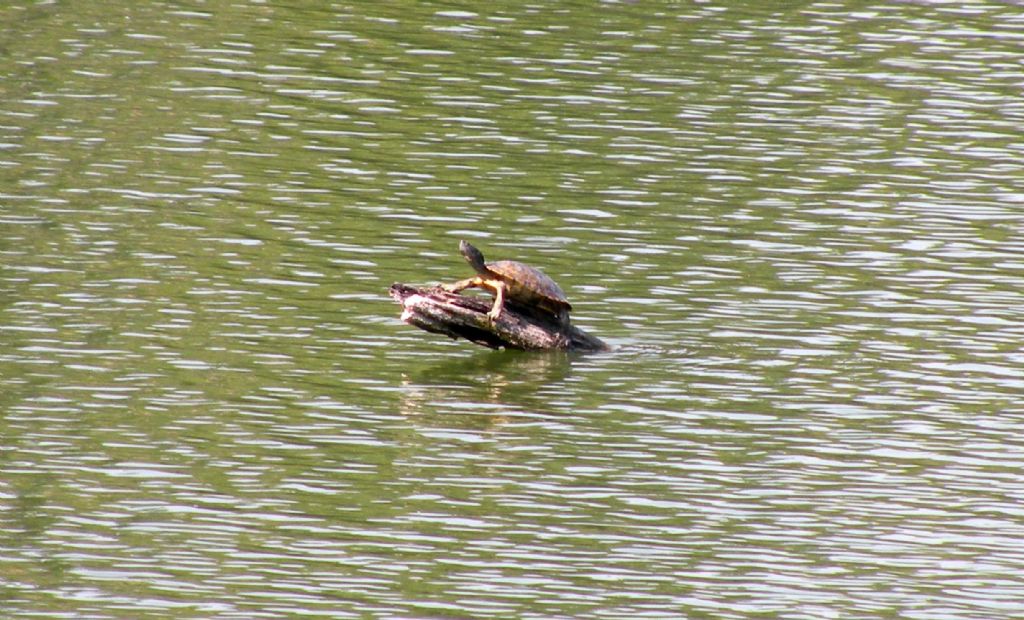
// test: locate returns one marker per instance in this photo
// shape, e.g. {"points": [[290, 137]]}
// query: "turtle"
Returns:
{"points": [[515, 281]]}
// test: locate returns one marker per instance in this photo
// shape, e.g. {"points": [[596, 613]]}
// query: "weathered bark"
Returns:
{"points": [[436, 310]]}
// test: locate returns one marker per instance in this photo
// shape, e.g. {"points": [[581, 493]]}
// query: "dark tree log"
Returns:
{"points": [[436, 310]]}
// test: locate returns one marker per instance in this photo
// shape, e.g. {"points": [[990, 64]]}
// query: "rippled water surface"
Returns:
{"points": [[800, 226]]}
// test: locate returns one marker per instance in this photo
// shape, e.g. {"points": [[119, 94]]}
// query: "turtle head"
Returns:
{"points": [[473, 257]]}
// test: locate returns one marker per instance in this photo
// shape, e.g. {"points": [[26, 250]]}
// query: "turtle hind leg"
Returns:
{"points": [[563, 318]]}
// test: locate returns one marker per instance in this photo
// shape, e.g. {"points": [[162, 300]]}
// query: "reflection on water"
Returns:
{"points": [[798, 226]]}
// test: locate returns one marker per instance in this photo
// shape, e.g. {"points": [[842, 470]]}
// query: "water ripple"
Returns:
{"points": [[798, 226]]}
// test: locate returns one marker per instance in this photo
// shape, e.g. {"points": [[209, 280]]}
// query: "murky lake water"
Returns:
{"points": [[802, 228]]}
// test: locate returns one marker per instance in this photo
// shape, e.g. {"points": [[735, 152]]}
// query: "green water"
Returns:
{"points": [[799, 226]]}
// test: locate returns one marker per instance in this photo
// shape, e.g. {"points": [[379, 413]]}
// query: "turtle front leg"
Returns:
{"points": [[461, 285], [499, 301]]}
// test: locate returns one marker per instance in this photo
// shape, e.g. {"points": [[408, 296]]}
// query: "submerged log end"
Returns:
{"points": [[435, 310]]}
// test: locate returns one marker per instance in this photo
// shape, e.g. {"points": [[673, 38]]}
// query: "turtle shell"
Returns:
{"points": [[528, 285]]}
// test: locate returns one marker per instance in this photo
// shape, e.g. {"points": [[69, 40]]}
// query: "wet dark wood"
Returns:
{"points": [[434, 309]]}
